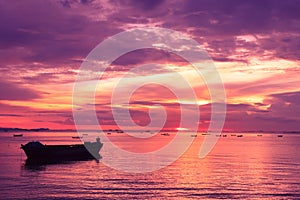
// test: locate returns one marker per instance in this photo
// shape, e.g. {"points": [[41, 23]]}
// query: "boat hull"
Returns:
{"points": [[39, 152]]}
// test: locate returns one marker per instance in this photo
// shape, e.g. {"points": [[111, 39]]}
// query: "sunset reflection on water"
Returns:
{"points": [[247, 167]]}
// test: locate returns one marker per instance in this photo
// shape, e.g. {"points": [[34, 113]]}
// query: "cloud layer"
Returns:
{"points": [[254, 44]]}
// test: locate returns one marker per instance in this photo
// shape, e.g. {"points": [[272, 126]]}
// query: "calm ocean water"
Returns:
{"points": [[248, 167]]}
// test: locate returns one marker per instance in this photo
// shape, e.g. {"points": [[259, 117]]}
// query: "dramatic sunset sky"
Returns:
{"points": [[255, 46]]}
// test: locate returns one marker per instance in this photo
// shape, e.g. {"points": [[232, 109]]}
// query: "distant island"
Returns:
{"points": [[23, 129]]}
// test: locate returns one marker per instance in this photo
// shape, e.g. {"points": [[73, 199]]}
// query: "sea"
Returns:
{"points": [[254, 166]]}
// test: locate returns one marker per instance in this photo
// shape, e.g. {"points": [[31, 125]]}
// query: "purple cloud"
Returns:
{"points": [[14, 91], [55, 32]]}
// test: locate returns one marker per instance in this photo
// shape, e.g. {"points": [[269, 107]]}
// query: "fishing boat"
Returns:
{"points": [[18, 135], [41, 152], [279, 135], [76, 137]]}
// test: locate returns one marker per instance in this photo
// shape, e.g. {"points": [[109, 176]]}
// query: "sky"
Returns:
{"points": [[255, 46]]}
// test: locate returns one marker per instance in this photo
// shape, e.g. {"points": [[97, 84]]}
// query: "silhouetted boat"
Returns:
{"points": [[279, 135], [259, 135], [165, 134], [39, 152], [76, 137], [18, 135], [239, 136], [224, 135], [194, 135]]}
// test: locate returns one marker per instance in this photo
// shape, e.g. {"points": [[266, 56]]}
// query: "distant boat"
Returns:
{"points": [[18, 135], [233, 135], [279, 135], [259, 135], [224, 135], [37, 151], [165, 134], [76, 137], [239, 136], [109, 133], [194, 135]]}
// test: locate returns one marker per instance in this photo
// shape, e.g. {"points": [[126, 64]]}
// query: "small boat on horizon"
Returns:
{"points": [[76, 137], [18, 135], [36, 151], [165, 134], [279, 135], [239, 136]]}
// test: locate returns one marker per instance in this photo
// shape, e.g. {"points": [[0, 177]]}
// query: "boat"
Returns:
{"points": [[224, 135], [259, 135], [279, 135], [165, 134], [18, 135], [194, 135], [76, 137], [36, 151], [239, 136]]}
